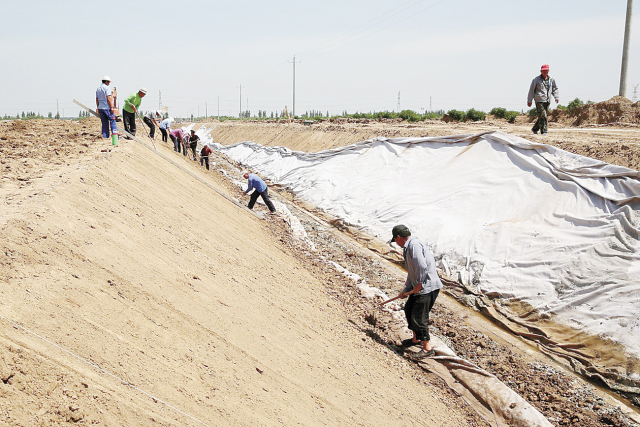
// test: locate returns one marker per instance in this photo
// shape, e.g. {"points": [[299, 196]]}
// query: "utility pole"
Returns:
{"points": [[160, 100], [430, 109], [294, 85], [57, 109], [218, 107], [625, 50], [240, 101], [398, 106], [635, 93]]}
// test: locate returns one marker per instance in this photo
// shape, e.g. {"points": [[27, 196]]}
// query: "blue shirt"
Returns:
{"points": [[101, 94], [165, 124], [421, 267], [256, 182]]}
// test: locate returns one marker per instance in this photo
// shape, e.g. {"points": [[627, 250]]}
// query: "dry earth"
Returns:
{"points": [[132, 294]]}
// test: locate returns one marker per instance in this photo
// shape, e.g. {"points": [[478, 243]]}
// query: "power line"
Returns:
{"points": [[381, 29], [366, 25]]}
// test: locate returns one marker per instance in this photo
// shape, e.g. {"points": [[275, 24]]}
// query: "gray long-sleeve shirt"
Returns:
{"points": [[541, 88], [421, 267]]}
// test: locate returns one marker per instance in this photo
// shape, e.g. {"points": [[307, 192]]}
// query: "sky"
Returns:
{"points": [[210, 57]]}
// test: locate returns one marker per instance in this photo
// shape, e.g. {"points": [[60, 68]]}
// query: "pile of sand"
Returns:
{"points": [[617, 110]]}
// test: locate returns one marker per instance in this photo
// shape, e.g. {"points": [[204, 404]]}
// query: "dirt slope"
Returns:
{"points": [[134, 295], [615, 145]]}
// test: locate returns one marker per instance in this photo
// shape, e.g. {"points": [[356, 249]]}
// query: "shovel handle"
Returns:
{"points": [[389, 300]]}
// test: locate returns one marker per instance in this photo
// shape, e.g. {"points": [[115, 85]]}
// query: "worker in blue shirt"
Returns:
{"points": [[260, 189], [105, 107]]}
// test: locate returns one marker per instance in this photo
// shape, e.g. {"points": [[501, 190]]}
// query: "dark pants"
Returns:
{"points": [[108, 122], [129, 120], [205, 160], [152, 127], [165, 134], [541, 123], [265, 198], [417, 311], [176, 143], [193, 146]]}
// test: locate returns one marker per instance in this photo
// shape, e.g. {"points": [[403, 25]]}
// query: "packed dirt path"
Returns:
{"points": [[133, 294]]}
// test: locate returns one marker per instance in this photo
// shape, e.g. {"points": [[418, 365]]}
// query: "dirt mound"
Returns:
{"points": [[617, 110], [29, 148]]}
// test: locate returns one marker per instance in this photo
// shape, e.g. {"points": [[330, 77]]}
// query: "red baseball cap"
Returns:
{"points": [[544, 67]]}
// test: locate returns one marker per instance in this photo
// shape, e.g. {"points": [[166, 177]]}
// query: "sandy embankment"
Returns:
{"points": [[135, 295], [216, 317], [615, 145]]}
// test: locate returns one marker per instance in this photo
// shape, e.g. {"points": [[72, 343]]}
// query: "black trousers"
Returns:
{"points": [[152, 127], [417, 310], [205, 160], [129, 120], [165, 134], [193, 146], [265, 198]]}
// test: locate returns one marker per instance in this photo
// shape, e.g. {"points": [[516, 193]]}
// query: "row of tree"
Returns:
{"points": [[408, 115]]}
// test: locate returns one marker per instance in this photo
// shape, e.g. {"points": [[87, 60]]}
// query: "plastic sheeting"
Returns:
{"points": [[517, 219]]}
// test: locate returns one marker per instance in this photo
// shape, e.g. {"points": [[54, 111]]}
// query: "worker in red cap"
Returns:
{"points": [[541, 88]]}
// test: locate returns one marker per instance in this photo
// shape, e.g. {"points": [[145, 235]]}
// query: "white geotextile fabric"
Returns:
{"points": [[518, 219]]}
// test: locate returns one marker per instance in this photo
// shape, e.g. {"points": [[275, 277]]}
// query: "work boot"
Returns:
{"points": [[534, 131]]}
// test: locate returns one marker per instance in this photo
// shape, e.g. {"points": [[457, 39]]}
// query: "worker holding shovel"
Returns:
{"points": [[422, 287], [130, 109], [259, 189], [151, 120]]}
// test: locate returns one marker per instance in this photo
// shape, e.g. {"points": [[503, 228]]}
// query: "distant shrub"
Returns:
{"points": [[498, 112], [385, 115], [475, 115], [510, 116], [410, 116], [532, 112], [433, 115], [456, 115], [573, 105]]}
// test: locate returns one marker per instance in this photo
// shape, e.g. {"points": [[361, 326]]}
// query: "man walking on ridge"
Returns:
{"points": [[422, 287], [541, 87], [260, 190], [130, 109], [105, 107]]}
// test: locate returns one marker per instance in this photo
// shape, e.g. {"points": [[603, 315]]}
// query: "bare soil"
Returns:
{"points": [[616, 142], [134, 295]]}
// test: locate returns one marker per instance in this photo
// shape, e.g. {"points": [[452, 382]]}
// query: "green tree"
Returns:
{"points": [[475, 115], [573, 105], [457, 115]]}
